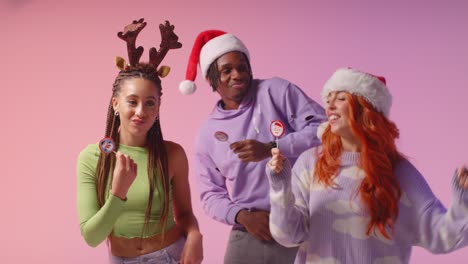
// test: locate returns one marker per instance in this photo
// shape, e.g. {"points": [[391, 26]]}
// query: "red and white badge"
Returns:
{"points": [[221, 136], [107, 145], [277, 128]]}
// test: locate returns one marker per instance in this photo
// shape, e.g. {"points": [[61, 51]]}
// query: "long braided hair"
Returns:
{"points": [[379, 190], [157, 154]]}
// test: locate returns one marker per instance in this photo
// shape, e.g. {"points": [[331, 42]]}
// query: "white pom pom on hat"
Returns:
{"points": [[209, 45], [187, 87], [371, 87]]}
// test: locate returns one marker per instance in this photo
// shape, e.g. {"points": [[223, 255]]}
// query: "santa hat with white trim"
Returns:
{"points": [[209, 46], [371, 87]]}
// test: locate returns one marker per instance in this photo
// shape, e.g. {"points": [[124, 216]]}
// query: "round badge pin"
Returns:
{"points": [[107, 145], [277, 128], [221, 136]]}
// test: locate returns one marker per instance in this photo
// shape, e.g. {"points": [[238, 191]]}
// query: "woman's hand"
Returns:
{"points": [[462, 176], [125, 172], [276, 162], [193, 249], [182, 204]]}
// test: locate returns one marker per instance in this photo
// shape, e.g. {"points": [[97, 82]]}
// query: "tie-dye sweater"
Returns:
{"points": [[330, 223]]}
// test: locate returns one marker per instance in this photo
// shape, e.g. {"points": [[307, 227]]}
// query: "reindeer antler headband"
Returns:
{"points": [[169, 40]]}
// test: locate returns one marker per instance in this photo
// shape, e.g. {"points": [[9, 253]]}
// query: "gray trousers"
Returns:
{"points": [[243, 248]]}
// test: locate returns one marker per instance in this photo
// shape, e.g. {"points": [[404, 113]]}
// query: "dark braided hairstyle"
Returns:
{"points": [[214, 75], [157, 154]]}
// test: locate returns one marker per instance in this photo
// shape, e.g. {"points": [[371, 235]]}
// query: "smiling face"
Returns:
{"points": [[138, 104], [234, 78], [338, 111]]}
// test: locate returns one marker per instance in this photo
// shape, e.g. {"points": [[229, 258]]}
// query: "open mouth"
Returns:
{"points": [[333, 117]]}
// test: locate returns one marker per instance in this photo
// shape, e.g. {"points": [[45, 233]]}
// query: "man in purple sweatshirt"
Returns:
{"points": [[234, 143]]}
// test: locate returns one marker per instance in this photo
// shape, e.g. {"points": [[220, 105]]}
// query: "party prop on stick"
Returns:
{"points": [[277, 129], [169, 40], [107, 145]]}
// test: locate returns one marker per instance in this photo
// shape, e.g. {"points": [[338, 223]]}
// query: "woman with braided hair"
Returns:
{"points": [[138, 196], [356, 199]]}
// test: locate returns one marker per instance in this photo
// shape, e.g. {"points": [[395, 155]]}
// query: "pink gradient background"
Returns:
{"points": [[57, 65]]}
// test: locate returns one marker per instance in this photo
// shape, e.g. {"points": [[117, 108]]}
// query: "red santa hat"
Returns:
{"points": [[373, 88], [209, 45]]}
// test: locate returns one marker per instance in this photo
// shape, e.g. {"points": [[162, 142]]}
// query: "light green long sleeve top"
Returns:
{"points": [[121, 218]]}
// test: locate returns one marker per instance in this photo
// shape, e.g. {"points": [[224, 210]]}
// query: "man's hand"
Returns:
{"points": [[251, 150], [256, 223]]}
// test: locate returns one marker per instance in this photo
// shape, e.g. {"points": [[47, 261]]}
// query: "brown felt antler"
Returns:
{"points": [[169, 40], [129, 35]]}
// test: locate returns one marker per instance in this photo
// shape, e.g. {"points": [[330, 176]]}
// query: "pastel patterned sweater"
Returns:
{"points": [[330, 223]]}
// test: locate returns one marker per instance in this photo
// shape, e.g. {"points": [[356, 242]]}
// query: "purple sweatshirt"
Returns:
{"points": [[331, 222], [228, 185]]}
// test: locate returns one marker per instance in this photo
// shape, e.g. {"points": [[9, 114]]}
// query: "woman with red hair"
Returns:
{"points": [[356, 199]]}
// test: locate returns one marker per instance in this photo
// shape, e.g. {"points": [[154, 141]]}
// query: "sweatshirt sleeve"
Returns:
{"points": [[304, 116], [289, 198], [95, 223], [437, 229], [214, 195]]}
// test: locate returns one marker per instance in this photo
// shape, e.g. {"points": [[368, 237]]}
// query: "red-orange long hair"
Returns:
{"points": [[379, 190]]}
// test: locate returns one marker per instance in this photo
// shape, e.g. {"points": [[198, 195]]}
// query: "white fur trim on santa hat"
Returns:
{"points": [[219, 46], [321, 129], [360, 83], [187, 87]]}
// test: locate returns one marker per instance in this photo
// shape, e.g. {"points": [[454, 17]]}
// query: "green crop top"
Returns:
{"points": [[123, 218]]}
